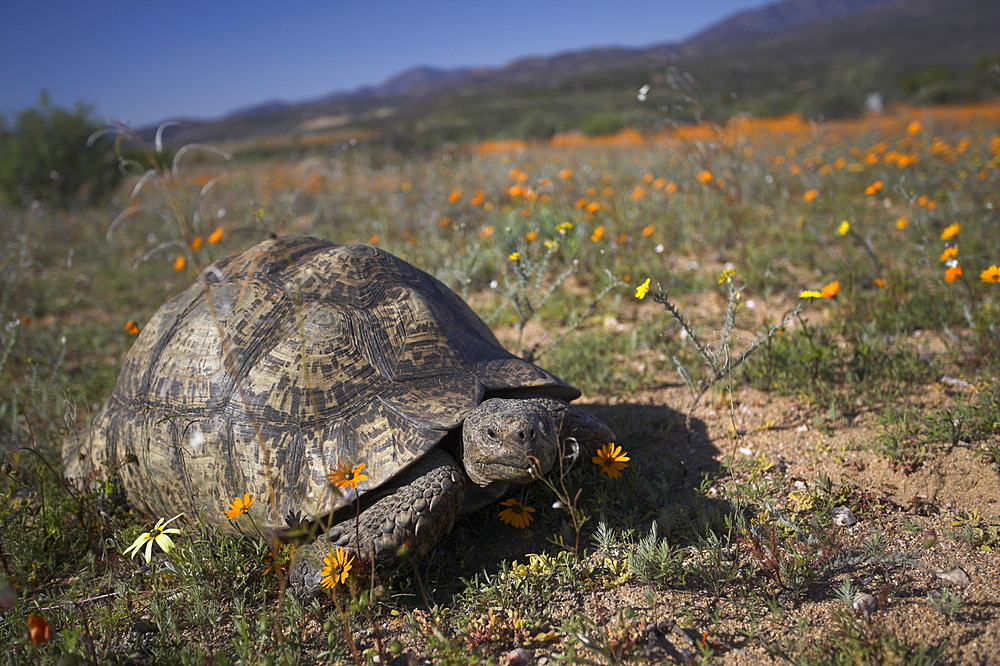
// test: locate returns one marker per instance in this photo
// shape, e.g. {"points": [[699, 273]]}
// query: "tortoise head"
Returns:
{"points": [[508, 439]]}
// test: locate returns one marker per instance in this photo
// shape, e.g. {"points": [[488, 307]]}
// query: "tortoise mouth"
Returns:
{"points": [[485, 473]]}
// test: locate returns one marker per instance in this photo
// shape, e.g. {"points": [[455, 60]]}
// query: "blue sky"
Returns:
{"points": [[143, 61]]}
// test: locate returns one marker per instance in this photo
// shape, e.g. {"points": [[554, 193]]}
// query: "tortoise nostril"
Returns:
{"points": [[520, 435], [531, 433]]}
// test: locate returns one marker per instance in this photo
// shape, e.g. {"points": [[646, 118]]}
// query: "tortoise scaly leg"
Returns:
{"points": [[416, 512]]}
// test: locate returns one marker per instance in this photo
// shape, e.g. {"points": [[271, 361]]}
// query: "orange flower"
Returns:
{"points": [[991, 274], [953, 273], [611, 459], [902, 223], [880, 283], [374, 239], [337, 567], [598, 234], [486, 232], [565, 174], [39, 629], [648, 231], [131, 327], [913, 127], [455, 195], [705, 176], [670, 188], [639, 193], [478, 198], [179, 263], [810, 195], [830, 290], [874, 188], [240, 506], [949, 253], [950, 231], [344, 476], [444, 222], [196, 243], [216, 236], [516, 514], [530, 236]]}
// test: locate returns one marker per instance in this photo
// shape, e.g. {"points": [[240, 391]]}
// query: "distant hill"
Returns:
{"points": [[819, 57]]}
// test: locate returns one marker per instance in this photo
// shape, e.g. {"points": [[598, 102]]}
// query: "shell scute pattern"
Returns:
{"points": [[282, 361]]}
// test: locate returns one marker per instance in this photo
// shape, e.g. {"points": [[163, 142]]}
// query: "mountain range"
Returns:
{"points": [[784, 56]]}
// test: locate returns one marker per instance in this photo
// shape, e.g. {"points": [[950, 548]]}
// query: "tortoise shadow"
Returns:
{"points": [[668, 463]]}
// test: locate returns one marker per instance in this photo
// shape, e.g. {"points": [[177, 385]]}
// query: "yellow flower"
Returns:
{"points": [[705, 176], [563, 227], [611, 459], [991, 274], [550, 244], [727, 275], [951, 231], [338, 564], [157, 535], [830, 290], [953, 273], [642, 290], [240, 506], [810, 294], [516, 514], [598, 234], [843, 228], [514, 256], [344, 476], [949, 253], [810, 195]]}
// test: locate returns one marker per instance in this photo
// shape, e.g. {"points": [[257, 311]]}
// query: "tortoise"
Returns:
{"points": [[301, 356]]}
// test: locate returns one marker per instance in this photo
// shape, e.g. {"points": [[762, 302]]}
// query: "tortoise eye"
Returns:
{"points": [[491, 433]]}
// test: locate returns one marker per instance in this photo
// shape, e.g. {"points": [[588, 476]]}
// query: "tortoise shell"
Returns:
{"points": [[290, 359]]}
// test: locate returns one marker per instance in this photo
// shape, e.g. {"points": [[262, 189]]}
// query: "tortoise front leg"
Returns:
{"points": [[416, 512]]}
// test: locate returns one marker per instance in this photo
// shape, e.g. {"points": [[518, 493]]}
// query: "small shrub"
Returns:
{"points": [[46, 155]]}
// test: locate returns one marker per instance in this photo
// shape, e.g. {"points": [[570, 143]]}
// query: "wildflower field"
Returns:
{"points": [[792, 328]]}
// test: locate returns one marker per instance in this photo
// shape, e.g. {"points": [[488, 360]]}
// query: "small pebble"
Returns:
{"points": [[864, 604], [843, 517], [956, 576], [519, 656]]}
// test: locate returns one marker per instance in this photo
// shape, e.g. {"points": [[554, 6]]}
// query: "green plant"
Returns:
{"points": [[46, 154]]}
